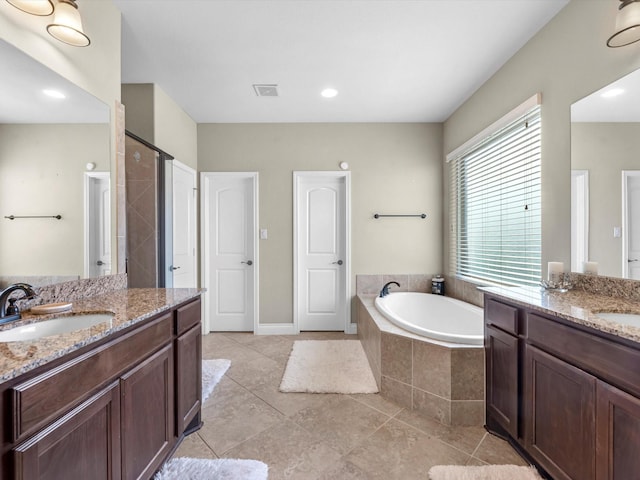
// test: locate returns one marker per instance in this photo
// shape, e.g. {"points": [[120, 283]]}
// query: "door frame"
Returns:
{"points": [[87, 213], [625, 223], [205, 197], [579, 219], [349, 327]]}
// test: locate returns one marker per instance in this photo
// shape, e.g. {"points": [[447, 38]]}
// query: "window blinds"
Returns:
{"points": [[495, 205]]}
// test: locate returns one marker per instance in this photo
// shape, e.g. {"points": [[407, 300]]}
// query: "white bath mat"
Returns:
{"points": [[328, 366], [219, 469], [212, 372], [485, 472]]}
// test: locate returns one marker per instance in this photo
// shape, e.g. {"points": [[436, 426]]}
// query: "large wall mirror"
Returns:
{"points": [[605, 179], [54, 161]]}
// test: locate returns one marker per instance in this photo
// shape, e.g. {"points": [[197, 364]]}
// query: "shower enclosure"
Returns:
{"points": [[149, 223]]}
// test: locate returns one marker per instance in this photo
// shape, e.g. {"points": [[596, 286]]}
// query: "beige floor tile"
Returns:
{"points": [[375, 400], [193, 446], [321, 437], [466, 439], [341, 422], [290, 451], [399, 451], [290, 403], [233, 415], [494, 450], [343, 470]]}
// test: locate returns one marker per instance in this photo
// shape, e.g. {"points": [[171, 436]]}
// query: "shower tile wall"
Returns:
{"points": [[141, 166]]}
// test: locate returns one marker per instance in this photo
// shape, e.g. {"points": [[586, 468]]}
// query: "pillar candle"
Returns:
{"points": [[590, 268], [555, 271]]}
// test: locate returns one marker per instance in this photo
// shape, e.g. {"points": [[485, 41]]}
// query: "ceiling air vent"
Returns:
{"points": [[266, 90]]}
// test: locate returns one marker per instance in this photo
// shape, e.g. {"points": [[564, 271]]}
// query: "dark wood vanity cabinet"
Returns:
{"points": [[566, 396], [114, 411], [188, 354]]}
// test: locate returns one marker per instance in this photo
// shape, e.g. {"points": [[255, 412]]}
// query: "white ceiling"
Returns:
{"points": [[391, 60]]}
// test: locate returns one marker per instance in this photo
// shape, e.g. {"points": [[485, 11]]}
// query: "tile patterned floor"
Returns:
{"points": [[321, 436]]}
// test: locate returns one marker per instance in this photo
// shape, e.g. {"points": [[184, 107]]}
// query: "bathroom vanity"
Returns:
{"points": [[111, 401], [562, 384]]}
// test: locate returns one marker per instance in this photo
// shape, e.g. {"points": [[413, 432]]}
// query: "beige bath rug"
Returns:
{"points": [[486, 472], [328, 366], [219, 469]]}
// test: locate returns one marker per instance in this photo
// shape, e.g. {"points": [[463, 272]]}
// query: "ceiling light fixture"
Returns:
{"points": [[627, 24], [50, 92], [329, 92], [614, 92], [41, 8], [67, 25]]}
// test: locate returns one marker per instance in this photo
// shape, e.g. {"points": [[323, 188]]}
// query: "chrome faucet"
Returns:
{"points": [[385, 290], [10, 313]]}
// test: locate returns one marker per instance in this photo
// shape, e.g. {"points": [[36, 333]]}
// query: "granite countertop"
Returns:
{"points": [[129, 307], [576, 306]]}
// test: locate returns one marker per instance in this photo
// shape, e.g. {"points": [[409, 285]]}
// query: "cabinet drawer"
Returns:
{"points": [[40, 400], [187, 316], [500, 315], [617, 364]]}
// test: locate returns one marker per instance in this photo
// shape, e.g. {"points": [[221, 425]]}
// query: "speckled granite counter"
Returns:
{"points": [[576, 306], [129, 306]]}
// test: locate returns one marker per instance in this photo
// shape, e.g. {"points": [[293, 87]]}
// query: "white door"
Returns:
{"points": [[631, 224], [184, 226], [321, 250], [229, 268], [97, 224]]}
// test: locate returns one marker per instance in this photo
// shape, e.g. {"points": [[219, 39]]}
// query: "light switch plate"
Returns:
{"points": [[263, 234], [616, 232]]}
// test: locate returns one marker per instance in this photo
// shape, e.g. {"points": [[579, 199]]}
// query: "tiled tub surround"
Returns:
{"points": [[454, 287], [434, 379], [129, 307]]}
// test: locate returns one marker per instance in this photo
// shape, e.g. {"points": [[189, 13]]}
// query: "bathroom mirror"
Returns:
{"points": [[605, 179], [54, 161]]}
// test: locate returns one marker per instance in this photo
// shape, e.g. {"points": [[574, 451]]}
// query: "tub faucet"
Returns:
{"points": [[385, 290], [12, 312]]}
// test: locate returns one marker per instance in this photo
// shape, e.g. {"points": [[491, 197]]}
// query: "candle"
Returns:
{"points": [[555, 271], [590, 268]]}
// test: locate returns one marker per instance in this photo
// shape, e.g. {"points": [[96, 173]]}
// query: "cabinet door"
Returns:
{"points": [[501, 356], [85, 443], [188, 377], [559, 416], [147, 415], [618, 434]]}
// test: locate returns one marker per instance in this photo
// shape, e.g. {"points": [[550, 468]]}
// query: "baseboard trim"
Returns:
{"points": [[276, 329]]}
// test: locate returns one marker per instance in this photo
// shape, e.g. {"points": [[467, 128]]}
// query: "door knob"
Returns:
{"points": [[100, 263], [634, 260], [339, 262], [172, 268], [248, 262]]}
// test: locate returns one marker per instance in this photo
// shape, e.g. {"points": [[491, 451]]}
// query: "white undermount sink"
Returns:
{"points": [[55, 326], [632, 319]]}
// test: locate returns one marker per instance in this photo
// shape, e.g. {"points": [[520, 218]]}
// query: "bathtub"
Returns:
{"points": [[434, 316]]}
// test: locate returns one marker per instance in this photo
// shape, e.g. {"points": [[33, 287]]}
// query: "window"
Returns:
{"points": [[495, 218]]}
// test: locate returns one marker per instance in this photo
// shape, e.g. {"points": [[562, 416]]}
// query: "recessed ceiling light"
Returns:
{"points": [[329, 92], [614, 92], [53, 93]]}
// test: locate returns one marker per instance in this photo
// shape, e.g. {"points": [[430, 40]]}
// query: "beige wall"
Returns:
{"points": [[605, 149], [566, 61], [33, 181], [153, 116], [395, 168]]}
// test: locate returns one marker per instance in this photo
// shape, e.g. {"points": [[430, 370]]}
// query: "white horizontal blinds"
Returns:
{"points": [[495, 205]]}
